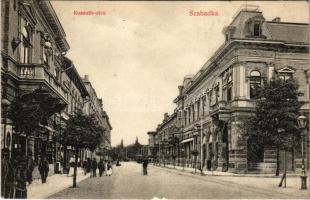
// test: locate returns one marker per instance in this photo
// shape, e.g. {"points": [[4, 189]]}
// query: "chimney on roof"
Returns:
{"points": [[166, 116], [187, 79], [86, 77], [100, 101], [180, 87], [277, 19]]}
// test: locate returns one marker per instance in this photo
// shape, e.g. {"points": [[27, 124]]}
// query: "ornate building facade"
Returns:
{"points": [[211, 104], [33, 44], [33, 53]]}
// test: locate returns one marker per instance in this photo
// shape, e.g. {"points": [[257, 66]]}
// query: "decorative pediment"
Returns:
{"points": [[28, 12], [257, 18], [286, 69]]}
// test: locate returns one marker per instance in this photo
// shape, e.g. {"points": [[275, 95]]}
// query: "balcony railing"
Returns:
{"points": [[40, 72], [27, 71]]}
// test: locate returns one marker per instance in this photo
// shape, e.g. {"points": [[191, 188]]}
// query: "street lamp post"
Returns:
{"points": [[302, 123]]}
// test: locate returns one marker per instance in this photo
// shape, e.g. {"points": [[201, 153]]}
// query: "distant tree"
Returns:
{"points": [[274, 123], [82, 132]]}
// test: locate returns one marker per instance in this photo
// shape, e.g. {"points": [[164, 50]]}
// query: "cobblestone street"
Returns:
{"points": [[127, 181]]}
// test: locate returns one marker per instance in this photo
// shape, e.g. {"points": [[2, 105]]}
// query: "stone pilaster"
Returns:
{"points": [[237, 150]]}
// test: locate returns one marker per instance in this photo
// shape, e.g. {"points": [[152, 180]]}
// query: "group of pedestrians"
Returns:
{"points": [[91, 166], [16, 172]]}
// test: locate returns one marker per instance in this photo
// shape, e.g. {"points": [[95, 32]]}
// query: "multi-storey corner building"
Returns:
{"points": [[29, 49], [33, 48], [211, 103], [33, 57]]}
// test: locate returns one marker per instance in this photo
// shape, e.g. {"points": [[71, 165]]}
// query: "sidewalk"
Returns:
{"points": [[54, 184], [218, 173], [264, 182]]}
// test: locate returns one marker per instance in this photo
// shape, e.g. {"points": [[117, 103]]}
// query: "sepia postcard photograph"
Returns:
{"points": [[155, 99]]}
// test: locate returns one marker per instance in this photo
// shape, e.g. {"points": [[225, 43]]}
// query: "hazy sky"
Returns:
{"points": [[138, 52]]}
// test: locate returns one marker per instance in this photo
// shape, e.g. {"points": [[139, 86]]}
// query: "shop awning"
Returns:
{"points": [[187, 140]]}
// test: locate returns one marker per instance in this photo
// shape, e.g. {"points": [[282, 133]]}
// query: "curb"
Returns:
{"points": [[230, 175]]}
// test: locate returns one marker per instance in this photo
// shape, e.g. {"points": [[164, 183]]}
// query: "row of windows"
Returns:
{"points": [[198, 109], [255, 83]]}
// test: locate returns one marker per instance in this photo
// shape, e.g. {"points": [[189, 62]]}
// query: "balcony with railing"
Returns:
{"points": [[39, 73]]}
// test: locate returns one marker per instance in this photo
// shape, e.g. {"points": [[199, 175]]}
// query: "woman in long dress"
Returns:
{"points": [[109, 169]]}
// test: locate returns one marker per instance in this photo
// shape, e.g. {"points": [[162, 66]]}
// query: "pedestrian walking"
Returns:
{"points": [[94, 167], [88, 165], [30, 167], [7, 175], [101, 167], [84, 165], [144, 165], [43, 169], [20, 174], [71, 164], [109, 169]]}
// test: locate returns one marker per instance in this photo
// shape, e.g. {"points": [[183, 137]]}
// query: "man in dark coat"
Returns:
{"points": [[20, 174], [7, 175], [144, 164], [101, 167], [43, 169], [84, 165], [88, 165], [94, 167]]}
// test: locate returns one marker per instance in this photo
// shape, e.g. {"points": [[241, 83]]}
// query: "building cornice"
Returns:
{"points": [[105, 115], [54, 23], [212, 62], [75, 77]]}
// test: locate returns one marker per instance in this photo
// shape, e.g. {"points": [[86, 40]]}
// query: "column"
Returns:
{"points": [[238, 155]]}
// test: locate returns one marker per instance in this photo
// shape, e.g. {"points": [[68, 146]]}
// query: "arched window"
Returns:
{"points": [[229, 88], [255, 83], [256, 29]]}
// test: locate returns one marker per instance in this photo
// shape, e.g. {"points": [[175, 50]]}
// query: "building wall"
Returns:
{"points": [[46, 36], [238, 57], [163, 136], [94, 106]]}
